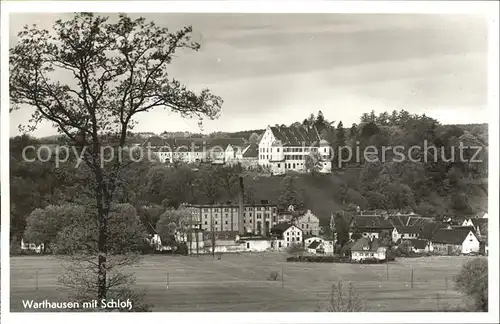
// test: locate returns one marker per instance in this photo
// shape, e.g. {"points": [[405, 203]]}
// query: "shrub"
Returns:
{"points": [[473, 282], [273, 276], [340, 302]]}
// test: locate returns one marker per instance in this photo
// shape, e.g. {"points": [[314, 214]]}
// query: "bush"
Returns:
{"points": [[473, 282], [273, 276], [340, 302], [15, 246], [370, 261]]}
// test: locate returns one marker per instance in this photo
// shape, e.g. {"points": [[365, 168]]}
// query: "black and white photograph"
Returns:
{"points": [[250, 161]]}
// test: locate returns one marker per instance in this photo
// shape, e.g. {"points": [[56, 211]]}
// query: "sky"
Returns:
{"points": [[279, 68]]}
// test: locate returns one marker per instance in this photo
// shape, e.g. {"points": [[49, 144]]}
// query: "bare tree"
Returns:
{"points": [[341, 302], [119, 70]]}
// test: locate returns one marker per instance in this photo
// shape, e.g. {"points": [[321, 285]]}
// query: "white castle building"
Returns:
{"points": [[283, 149]]}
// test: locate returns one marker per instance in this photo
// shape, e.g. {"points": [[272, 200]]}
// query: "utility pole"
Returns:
{"points": [[412, 278], [213, 239], [387, 264]]}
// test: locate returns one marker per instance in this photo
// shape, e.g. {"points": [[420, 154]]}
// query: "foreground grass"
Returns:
{"points": [[239, 283]]}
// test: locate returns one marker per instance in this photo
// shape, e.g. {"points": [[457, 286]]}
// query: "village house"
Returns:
{"points": [[256, 243], [454, 241], [286, 235], [308, 223], [479, 225], [368, 248], [418, 246], [283, 149], [405, 233], [309, 239], [370, 226], [320, 247], [250, 157], [225, 241]]}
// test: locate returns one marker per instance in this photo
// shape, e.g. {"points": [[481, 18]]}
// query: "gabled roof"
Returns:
{"points": [[224, 142], [480, 222], [372, 222], [251, 151], [296, 135], [408, 220], [314, 245], [418, 244], [429, 229], [453, 236], [365, 244], [408, 229], [281, 227]]}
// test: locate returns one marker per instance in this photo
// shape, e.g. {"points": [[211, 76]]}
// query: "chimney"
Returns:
{"points": [[241, 228]]}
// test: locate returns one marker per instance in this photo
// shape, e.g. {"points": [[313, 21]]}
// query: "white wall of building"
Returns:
{"points": [[470, 244], [361, 255], [257, 245]]}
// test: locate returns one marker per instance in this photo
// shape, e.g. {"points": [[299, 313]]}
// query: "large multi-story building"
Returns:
{"points": [[308, 223], [257, 219], [283, 149], [194, 150]]}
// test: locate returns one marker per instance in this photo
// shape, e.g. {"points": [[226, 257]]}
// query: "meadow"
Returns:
{"points": [[239, 283]]}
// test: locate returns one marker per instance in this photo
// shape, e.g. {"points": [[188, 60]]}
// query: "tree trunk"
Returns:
{"points": [[102, 244]]}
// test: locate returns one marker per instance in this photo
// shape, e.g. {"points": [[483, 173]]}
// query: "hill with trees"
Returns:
{"points": [[453, 189]]}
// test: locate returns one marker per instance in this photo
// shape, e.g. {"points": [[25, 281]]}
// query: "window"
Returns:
{"points": [[206, 215], [226, 222], [216, 222], [288, 239], [288, 244], [206, 223], [226, 209], [278, 165], [278, 149], [250, 221], [302, 226], [248, 245]]}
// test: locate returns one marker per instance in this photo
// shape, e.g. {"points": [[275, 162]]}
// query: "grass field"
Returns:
{"points": [[239, 283]]}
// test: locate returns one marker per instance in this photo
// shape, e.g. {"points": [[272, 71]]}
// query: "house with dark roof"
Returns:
{"points": [[406, 232], [250, 157], [368, 248], [418, 246], [480, 225], [320, 247], [454, 241], [283, 149], [285, 235], [370, 226]]}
